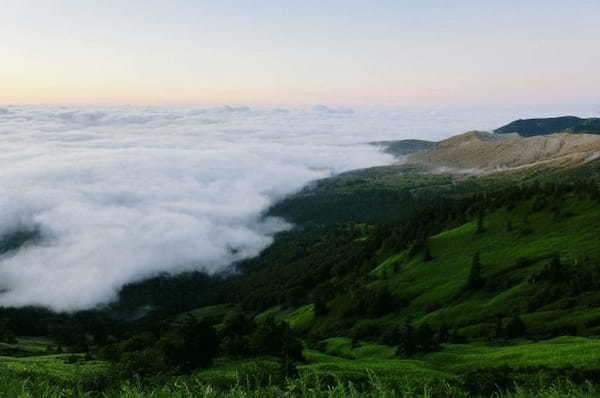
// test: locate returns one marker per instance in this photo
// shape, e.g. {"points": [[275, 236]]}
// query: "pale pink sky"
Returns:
{"points": [[273, 52]]}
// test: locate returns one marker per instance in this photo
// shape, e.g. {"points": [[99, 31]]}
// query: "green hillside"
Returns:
{"points": [[516, 246], [393, 283], [538, 259]]}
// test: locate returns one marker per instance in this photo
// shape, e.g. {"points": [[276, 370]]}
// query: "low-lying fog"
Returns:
{"points": [[122, 193]]}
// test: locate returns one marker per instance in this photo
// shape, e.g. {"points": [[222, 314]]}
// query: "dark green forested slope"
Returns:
{"points": [[537, 246], [545, 126]]}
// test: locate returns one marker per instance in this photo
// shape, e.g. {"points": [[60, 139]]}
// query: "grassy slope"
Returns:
{"points": [[430, 284], [339, 359], [435, 290], [435, 287], [454, 359], [563, 351], [299, 319], [25, 346], [56, 366]]}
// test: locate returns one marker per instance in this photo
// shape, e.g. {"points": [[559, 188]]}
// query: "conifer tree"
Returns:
{"points": [[406, 343], [475, 280]]}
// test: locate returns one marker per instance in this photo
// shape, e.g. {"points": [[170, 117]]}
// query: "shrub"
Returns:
{"points": [[277, 339], [141, 364]]}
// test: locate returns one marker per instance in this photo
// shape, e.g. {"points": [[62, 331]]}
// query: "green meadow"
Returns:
{"points": [[341, 370]]}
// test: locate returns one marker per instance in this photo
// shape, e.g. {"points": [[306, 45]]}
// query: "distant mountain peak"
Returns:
{"points": [[478, 152], [551, 125]]}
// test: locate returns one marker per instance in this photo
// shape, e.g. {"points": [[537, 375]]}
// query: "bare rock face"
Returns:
{"points": [[478, 152]]}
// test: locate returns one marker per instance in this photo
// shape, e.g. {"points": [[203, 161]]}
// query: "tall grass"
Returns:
{"points": [[304, 387]]}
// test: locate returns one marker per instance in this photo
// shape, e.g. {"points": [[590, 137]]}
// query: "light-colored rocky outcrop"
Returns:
{"points": [[478, 152]]}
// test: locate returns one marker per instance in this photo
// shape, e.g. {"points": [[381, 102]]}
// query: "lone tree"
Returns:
{"points": [[475, 280], [406, 340]]}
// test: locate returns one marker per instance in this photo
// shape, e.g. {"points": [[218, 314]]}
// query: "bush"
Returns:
{"points": [[366, 330], [277, 339], [193, 346], [236, 346], [142, 364]]}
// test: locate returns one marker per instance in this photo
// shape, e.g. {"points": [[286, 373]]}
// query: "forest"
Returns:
{"points": [[416, 285]]}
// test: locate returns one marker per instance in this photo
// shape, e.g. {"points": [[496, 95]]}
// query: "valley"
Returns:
{"points": [[471, 267]]}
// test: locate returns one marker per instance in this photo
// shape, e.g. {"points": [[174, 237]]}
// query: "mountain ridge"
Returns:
{"points": [[479, 152], [546, 126]]}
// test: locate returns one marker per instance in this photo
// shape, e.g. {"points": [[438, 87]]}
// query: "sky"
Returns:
{"points": [[429, 52]]}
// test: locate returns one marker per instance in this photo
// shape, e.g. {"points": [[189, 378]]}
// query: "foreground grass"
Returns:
{"points": [[303, 387]]}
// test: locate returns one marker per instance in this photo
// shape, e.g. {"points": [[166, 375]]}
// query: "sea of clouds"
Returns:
{"points": [[119, 194]]}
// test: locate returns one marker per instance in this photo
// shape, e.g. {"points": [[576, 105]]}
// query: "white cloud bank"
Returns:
{"points": [[120, 194], [124, 193]]}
